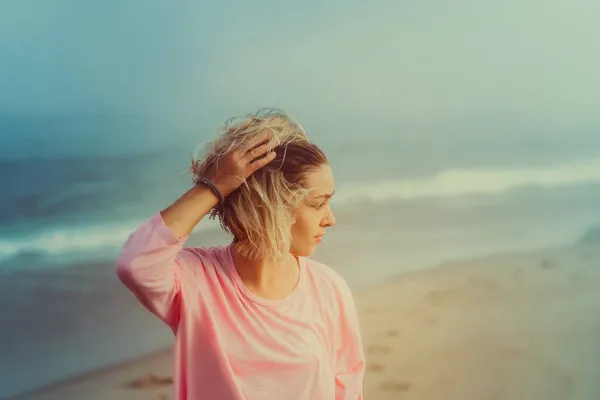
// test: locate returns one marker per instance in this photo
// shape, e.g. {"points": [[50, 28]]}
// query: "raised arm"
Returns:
{"points": [[154, 260]]}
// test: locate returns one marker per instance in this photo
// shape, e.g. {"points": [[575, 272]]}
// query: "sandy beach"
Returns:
{"points": [[504, 327]]}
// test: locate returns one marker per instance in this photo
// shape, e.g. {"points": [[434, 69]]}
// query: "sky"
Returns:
{"points": [[380, 63]]}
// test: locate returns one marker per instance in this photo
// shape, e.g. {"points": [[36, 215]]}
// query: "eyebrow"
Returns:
{"points": [[325, 195]]}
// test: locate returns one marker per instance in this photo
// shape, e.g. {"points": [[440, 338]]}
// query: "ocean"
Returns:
{"points": [[74, 189]]}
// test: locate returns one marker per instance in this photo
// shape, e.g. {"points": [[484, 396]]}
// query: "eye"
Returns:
{"points": [[320, 205]]}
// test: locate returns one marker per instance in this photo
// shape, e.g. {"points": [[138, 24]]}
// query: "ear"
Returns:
{"points": [[295, 213]]}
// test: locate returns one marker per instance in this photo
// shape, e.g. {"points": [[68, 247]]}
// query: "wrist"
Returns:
{"points": [[225, 187], [212, 187]]}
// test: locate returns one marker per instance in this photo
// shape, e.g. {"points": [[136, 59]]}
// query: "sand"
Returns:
{"points": [[504, 327]]}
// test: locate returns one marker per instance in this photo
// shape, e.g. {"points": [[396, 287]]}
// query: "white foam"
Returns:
{"points": [[476, 181], [75, 240]]}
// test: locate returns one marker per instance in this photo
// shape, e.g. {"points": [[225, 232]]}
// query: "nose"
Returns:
{"points": [[329, 218]]}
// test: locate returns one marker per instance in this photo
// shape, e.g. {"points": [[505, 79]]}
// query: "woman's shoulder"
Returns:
{"points": [[207, 252], [206, 260], [327, 275]]}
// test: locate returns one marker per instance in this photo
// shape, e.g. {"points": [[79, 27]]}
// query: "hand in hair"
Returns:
{"points": [[230, 170], [227, 170]]}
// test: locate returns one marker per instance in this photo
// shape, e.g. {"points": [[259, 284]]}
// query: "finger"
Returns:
{"points": [[261, 162], [259, 139], [258, 152]]}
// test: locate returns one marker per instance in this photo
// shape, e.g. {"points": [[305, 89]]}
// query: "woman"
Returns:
{"points": [[256, 319]]}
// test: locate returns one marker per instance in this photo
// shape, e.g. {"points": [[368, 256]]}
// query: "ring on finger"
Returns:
{"points": [[252, 154]]}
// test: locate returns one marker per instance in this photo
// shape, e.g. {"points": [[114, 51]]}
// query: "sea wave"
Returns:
{"points": [[474, 181]]}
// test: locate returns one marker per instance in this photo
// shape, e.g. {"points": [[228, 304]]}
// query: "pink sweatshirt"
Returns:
{"points": [[232, 344]]}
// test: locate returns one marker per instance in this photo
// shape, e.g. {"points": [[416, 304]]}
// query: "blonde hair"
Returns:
{"points": [[260, 213]]}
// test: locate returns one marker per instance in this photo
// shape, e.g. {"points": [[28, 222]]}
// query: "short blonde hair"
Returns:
{"points": [[260, 213]]}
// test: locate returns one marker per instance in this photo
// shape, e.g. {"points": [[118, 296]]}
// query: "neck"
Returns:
{"points": [[265, 273]]}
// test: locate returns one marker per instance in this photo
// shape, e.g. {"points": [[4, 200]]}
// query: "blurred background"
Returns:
{"points": [[456, 130]]}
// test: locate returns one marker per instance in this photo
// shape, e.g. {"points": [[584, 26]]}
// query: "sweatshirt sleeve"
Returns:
{"points": [[151, 264], [350, 358]]}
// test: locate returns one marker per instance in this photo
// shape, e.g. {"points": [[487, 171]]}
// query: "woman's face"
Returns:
{"points": [[314, 215]]}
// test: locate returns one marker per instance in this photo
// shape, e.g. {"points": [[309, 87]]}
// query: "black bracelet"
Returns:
{"points": [[215, 190]]}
